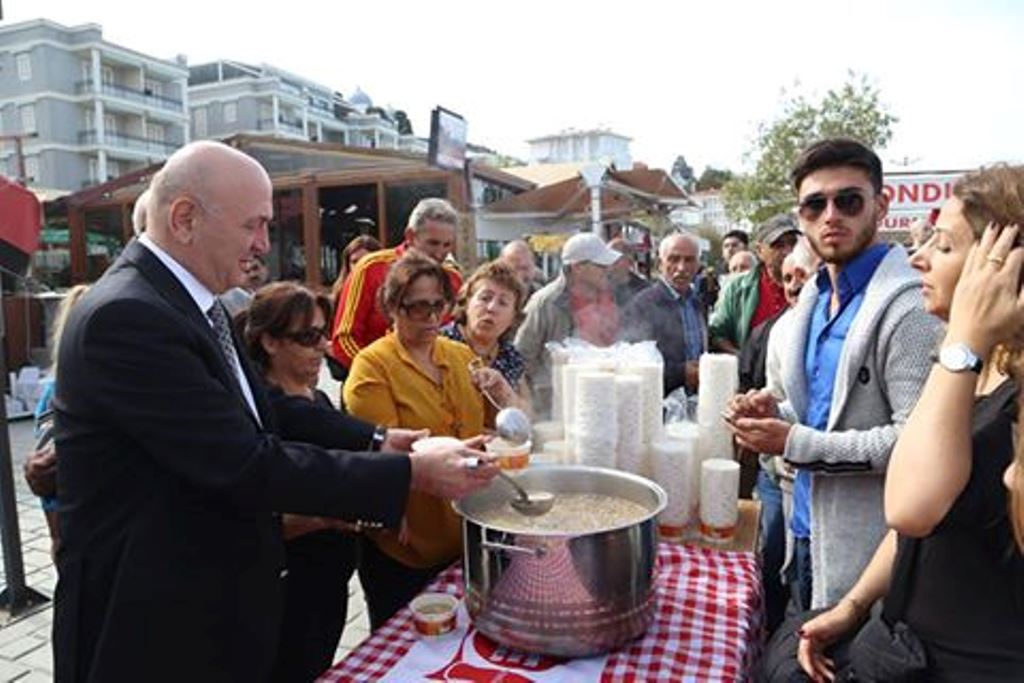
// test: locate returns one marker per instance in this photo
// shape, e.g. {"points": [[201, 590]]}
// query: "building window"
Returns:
{"points": [[86, 70], [31, 169], [24, 62], [199, 121], [230, 112], [94, 170], [154, 88], [155, 132], [107, 75], [28, 118], [110, 124], [113, 169]]}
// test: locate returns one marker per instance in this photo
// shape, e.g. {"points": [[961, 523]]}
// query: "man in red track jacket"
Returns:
{"points": [[359, 321]]}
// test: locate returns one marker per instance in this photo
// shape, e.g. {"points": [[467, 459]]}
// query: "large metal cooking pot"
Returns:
{"points": [[563, 594]]}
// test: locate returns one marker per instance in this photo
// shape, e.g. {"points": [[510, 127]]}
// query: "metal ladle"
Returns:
{"points": [[511, 424], [529, 504]]}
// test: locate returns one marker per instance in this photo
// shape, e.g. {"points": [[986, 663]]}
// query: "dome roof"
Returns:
{"points": [[361, 99]]}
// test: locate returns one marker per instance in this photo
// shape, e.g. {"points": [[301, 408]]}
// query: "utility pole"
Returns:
{"points": [[18, 150]]}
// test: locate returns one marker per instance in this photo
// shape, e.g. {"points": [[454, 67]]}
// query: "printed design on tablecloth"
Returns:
{"points": [[509, 660]]}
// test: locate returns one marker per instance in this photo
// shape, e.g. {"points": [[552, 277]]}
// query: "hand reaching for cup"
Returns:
{"points": [[450, 471], [401, 440]]}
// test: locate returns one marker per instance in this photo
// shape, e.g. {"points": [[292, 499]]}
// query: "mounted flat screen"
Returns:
{"points": [[447, 140]]}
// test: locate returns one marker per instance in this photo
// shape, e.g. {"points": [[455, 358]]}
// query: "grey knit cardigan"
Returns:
{"points": [[882, 369]]}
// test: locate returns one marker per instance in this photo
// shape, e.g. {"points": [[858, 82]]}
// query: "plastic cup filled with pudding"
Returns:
{"points": [[434, 614], [434, 443], [510, 456]]}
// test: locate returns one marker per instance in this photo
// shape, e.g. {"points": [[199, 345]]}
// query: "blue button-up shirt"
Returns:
{"points": [[693, 322], [825, 338]]}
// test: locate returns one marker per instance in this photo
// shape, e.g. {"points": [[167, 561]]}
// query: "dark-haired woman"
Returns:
{"points": [[285, 333]]}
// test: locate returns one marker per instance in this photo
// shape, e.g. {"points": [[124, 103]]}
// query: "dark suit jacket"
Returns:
{"points": [[653, 314], [170, 558]]}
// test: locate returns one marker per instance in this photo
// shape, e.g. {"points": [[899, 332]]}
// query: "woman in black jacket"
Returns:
{"points": [[286, 332]]}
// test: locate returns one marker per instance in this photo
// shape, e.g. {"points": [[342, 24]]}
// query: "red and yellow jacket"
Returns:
{"points": [[358, 320]]}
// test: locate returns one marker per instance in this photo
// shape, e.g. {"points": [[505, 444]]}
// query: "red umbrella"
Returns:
{"points": [[20, 221]]}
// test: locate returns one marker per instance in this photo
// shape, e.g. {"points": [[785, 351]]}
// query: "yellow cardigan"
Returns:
{"points": [[385, 386]]}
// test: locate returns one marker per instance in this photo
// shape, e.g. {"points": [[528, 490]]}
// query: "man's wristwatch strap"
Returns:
{"points": [[377, 440]]}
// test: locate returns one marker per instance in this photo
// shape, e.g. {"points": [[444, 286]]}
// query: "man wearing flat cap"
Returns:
{"points": [[758, 294], [578, 303]]}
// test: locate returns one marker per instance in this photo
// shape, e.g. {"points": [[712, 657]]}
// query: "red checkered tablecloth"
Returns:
{"points": [[707, 626]]}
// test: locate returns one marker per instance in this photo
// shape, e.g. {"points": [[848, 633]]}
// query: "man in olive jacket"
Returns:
{"points": [[756, 295]]}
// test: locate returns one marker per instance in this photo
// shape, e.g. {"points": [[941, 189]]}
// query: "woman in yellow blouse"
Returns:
{"points": [[417, 379]]}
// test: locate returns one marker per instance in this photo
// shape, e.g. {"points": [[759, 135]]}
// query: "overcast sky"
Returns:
{"points": [[677, 77]]}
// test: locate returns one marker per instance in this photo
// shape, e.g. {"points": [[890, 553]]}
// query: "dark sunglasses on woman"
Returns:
{"points": [[310, 336], [849, 202], [421, 310]]}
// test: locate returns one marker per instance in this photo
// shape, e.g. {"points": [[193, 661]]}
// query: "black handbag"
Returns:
{"points": [[885, 648]]}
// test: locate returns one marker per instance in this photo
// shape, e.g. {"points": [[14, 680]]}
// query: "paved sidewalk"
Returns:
{"points": [[25, 652]]}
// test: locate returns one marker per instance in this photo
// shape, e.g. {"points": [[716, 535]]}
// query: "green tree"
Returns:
{"points": [[713, 178], [853, 110], [403, 122]]}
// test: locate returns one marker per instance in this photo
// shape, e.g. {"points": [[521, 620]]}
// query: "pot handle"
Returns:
{"points": [[537, 552]]}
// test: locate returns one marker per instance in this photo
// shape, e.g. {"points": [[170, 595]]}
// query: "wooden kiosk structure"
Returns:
{"points": [[324, 195]]}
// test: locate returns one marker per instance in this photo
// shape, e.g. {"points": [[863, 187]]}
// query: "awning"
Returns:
{"points": [[20, 219], [550, 244], [61, 236]]}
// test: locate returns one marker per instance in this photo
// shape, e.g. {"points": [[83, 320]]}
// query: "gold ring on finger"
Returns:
{"points": [[998, 260]]}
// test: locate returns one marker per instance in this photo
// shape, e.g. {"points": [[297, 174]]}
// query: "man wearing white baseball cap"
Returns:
{"points": [[578, 303]]}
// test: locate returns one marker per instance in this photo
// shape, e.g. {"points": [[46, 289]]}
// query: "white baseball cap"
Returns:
{"points": [[587, 246]]}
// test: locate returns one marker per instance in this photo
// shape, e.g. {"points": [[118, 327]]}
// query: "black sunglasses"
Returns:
{"points": [[421, 310], [310, 336], [848, 201]]}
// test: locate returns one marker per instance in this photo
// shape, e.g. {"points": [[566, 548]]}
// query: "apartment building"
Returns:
{"points": [[572, 145], [93, 110], [228, 97]]}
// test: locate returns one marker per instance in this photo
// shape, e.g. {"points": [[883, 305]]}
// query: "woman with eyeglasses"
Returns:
{"points": [[949, 573], [285, 331], [419, 379]]}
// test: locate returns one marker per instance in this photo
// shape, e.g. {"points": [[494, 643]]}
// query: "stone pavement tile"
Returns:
{"points": [[36, 559], [23, 627], [10, 671], [40, 543], [39, 659], [22, 646], [353, 636]]}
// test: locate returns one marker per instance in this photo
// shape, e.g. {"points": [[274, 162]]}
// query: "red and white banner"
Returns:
{"points": [[914, 195]]}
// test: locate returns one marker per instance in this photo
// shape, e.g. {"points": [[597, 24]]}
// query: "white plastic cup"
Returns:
{"points": [[719, 499], [435, 443]]}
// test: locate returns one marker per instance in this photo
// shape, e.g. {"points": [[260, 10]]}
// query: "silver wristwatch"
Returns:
{"points": [[959, 358]]}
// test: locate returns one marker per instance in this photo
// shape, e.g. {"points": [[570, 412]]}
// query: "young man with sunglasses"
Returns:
{"points": [[358, 320], [854, 371], [757, 295]]}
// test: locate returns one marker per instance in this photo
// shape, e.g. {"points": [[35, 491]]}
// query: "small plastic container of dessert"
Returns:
{"points": [[434, 614], [511, 457]]}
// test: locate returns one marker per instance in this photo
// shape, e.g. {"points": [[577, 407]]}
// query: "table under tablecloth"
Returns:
{"points": [[707, 627]]}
